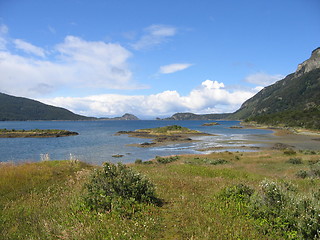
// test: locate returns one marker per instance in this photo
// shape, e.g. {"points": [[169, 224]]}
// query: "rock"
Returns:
{"points": [[312, 63]]}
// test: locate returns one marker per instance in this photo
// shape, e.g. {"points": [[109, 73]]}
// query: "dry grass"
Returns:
{"points": [[44, 200]]}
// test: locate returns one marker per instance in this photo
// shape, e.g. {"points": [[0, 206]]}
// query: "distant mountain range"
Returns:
{"points": [[126, 116], [292, 101], [192, 116]]}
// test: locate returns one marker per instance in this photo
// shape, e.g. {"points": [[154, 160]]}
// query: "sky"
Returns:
{"points": [[105, 58]]}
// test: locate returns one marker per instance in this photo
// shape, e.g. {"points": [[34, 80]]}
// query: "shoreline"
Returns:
{"points": [[279, 139], [282, 131]]}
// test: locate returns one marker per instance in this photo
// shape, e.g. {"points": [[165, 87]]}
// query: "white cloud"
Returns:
{"points": [[212, 84], [209, 97], [174, 67], [74, 63], [155, 35], [29, 48], [263, 79]]}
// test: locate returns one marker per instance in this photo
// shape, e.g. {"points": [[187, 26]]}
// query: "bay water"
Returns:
{"points": [[97, 142]]}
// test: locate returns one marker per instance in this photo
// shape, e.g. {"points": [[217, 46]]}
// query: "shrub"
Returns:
{"points": [[308, 152], [165, 160], [138, 161], [289, 152], [239, 192], [115, 186], [302, 174], [278, 207], [311, 162], [295, 161], [201, 161], [315, 169], [217, 161], [147, 162]]}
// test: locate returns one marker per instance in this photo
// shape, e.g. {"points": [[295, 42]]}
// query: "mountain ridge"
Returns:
{"points": [[126, 116], [193, 116], [14, 108], [288, 101]]}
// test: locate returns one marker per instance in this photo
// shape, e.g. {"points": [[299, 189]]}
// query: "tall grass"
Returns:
{"points": [[46, 200]]}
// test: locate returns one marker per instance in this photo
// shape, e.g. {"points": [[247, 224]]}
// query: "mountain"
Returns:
{"points": [[126, 116], [192, 116], [292, 101], [22, 109]]}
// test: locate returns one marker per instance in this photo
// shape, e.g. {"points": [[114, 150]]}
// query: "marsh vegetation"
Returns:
{"points": [[223, 195]]}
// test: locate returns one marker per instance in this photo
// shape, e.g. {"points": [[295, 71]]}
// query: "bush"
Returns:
{"points": [[138, 161], [311, 162], [201, 161], [315, 170], [302, 174], [165, 160], [295, 161], [289, 152], [278, 207], [117, 186], [217, 161], [308, 152], [239, 192]]}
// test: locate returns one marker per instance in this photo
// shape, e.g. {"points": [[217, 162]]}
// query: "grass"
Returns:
{"points": [[45, 200], [168, 130]]}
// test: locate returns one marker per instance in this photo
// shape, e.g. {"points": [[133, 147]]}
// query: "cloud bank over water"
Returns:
{"points": [[209, 97]]}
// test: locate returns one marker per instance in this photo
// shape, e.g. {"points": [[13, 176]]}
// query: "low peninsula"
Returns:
{"points": [[163, 135], [35, 133]]}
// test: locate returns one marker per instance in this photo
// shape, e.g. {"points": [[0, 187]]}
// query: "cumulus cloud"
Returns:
{"points": [[174, 68], [29, 48], [263, 79], [154, 35], [74, 63], [209, 97], [212, 84]]}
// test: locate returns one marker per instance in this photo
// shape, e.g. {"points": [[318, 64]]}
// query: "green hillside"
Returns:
{"points": [[22, 109], [293, 101]]}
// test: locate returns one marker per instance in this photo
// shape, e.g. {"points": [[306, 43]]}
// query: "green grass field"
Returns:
{"points": [[225, 195]]}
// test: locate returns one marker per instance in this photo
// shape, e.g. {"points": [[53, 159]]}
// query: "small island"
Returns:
{"points": [[163, 135], [35, 133], [211, 124]]}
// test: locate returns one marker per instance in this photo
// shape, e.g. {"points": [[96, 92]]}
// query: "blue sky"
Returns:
{"points": [[151, 58]]}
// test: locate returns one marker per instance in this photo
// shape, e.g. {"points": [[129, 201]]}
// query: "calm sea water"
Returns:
{"points": [[96, 142]]}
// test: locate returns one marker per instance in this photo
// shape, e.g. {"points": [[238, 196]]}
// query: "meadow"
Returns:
{"points": [[272, 194]]}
